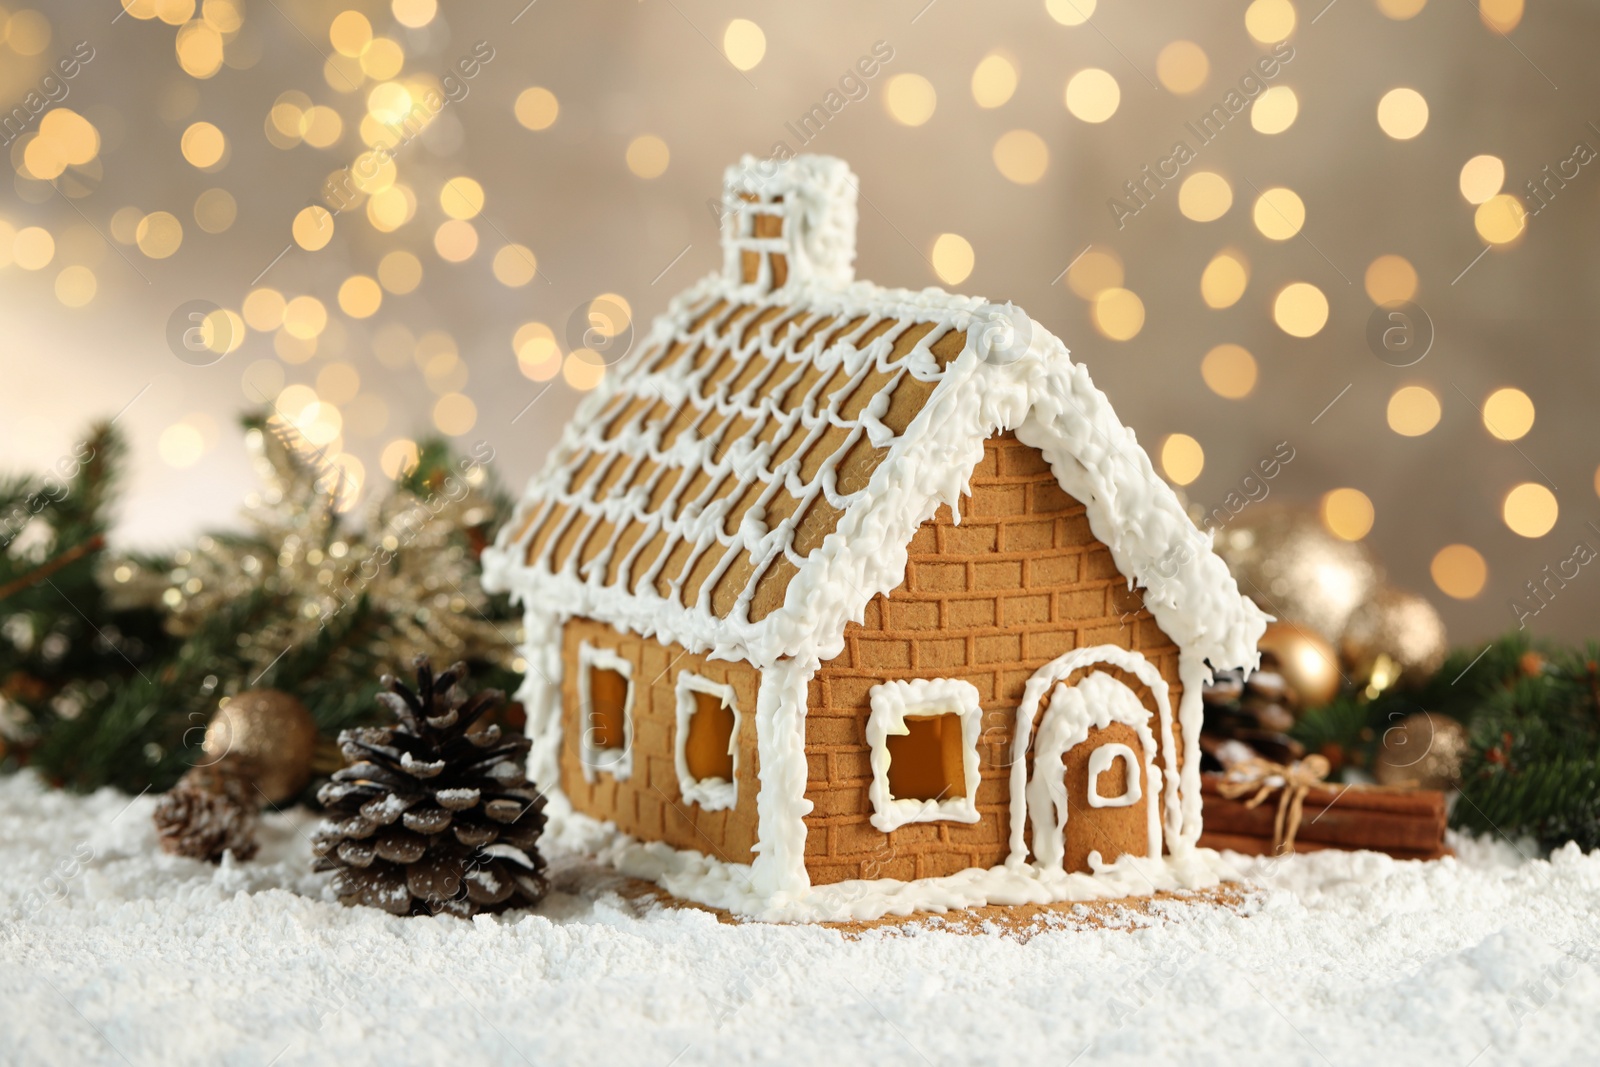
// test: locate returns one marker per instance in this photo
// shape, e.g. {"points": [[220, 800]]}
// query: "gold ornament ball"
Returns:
{"points": [[1305, 660], [1423, 749], [1287, 562], [271, 734], [1400, 625]]}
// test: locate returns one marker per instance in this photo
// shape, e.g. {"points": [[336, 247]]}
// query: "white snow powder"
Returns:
{"points": [[114, 952]]}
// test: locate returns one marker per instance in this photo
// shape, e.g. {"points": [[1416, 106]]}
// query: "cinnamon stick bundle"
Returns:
{"points": [[1406, 823]]}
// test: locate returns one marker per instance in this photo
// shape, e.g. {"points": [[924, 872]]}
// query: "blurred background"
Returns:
{"points": [[1358, 230]]}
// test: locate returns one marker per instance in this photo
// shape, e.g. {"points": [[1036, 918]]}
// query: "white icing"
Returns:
{"points": [[712, 794], [707, 880], [891, 703], [1011, 375], [617, 762], [1100, 761], [1096, 701]]}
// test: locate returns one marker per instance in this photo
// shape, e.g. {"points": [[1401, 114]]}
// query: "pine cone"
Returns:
{"points": [[1251, 711], [213, 809], [430, 817]]}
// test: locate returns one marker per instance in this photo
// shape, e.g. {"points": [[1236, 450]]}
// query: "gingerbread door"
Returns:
{"points": [[1094, 788]]}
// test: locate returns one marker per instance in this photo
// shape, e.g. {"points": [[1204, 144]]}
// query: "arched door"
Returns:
{"points": [[1093, 791]]}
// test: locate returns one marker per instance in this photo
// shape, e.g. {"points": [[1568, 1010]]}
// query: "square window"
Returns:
{"points": [[924, 739], [605, 713], [705, 749]]}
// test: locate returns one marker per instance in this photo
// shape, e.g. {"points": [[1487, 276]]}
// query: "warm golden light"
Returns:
{"points": [[1508, 414], [1182, 458], [1347, 513], [953, 258], [455, 241], [360, 297], [1118, 313], [1530, 510], [1402, 113], [76, 286], [993, 80], [1459, 571], [1094, 271], [744, 44], [400, 272], [1225, 278], [1070, 12], [159, 234], [910, 99], [1279, 213], [515, 265], [1021, 156], [203, 145], [537, 108], [1093, 95], [1482, 177], [1182, 67], [215, 210], [1413, 411], [1500, 219], [1391, 278], [1205, 196], [1269, 21], [648, 156], [1300, 310], [1275, 110], [461, 198], [455, 414], [313, 228], [1229, 371]]}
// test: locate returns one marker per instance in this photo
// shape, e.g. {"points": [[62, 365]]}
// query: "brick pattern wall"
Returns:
{"points": [[1020, 581], [648, 804]]}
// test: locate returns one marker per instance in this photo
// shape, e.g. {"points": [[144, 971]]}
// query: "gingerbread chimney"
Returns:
{"points": [[789, 222]]}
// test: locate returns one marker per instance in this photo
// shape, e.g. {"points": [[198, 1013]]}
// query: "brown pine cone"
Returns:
{"points": [[431, 816], [213, 809]]}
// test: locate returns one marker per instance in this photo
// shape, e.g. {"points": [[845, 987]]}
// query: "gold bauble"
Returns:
{"points": [[1304, 659], [1287, 562], [1398, 626], [1424, 750], [273, 737]]}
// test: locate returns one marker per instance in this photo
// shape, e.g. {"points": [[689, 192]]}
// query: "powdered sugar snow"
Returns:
{"points": [[113, 953]]}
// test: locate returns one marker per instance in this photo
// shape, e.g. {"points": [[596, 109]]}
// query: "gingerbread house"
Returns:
{"points": [[844, 601]]}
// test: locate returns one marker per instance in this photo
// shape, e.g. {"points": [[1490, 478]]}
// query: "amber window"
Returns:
{"points": [[608, 708], [925, 763], [707, 750]]}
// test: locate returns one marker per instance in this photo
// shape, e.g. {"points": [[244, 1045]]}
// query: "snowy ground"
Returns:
{"points": [[113, 953]]}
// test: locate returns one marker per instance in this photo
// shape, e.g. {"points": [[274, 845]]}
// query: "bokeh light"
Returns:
{"points": [[1269, 21], [1117, 313], [1530, 510], [1070, 12], [1400, 10], [159, 234], [993, 80], [1182, 67], [1093, 95], [744, 44], [1021, 155], [537, 108], [1501, 16], [76, 286], [203, 145], [515, 265], [33, 248], [1095, 270], [400, 272], [953, 258], [454, 414], [1508, 414], [583, 370], [455, 241], [461, 198], [1402, 113], [215, 210], [1182, 458], [1482, 177], [1347, 513], [1229, 371], [360, 297], [1413, 410], [1225, 279], [399, 456], [313, 228], [910, 99], [1500, 219], [1205, 196], [1300, 309], [1275, 110], [1390, 278], [1279, 213], [1459, 571], [648, 156], [414, 14], [537, 355]]}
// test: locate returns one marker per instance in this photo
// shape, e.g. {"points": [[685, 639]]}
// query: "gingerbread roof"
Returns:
{"points": [[750, 477]]}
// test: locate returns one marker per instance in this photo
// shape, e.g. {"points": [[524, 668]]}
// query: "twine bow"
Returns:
{"points": [[1262, 775]]}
